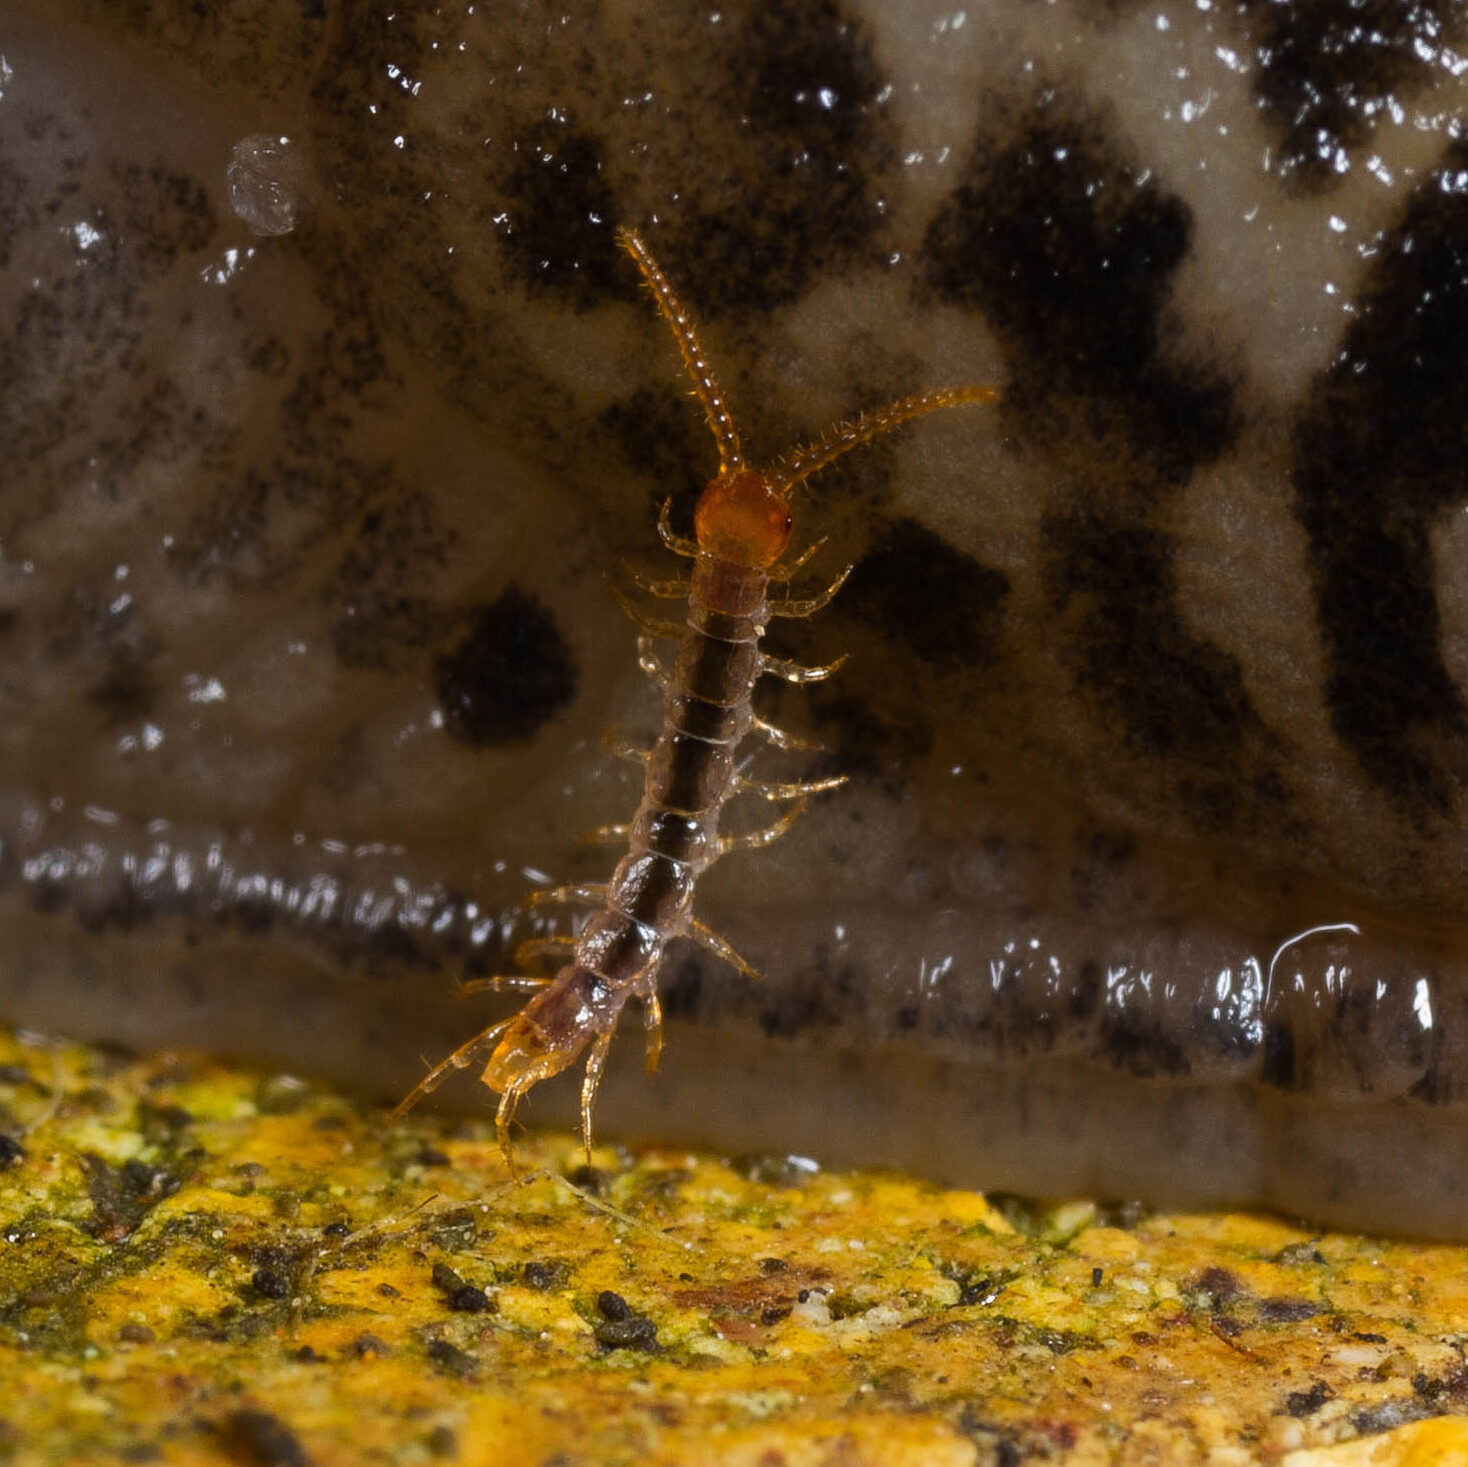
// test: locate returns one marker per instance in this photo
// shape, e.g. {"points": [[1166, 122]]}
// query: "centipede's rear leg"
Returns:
{"points": [[652, 1020], [595, 1064], [460, 1059]]}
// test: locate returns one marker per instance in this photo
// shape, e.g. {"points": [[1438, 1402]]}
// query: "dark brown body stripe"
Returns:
{"points": [[690, 774]]}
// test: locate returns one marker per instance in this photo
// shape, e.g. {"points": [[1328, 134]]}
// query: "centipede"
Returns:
{"points": [[743, 529]]}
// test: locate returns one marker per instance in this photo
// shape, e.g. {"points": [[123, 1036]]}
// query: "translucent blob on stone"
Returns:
{"points": [[267, 183]]}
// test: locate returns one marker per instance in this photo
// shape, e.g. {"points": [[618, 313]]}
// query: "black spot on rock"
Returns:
{"points": [[1069, 251], [1379, 458], [557, 225], [1176, 696], [162, 215], [812, 128], [510, 675], [660, 436], [375, 596], [1324, 73], [941, 604]]}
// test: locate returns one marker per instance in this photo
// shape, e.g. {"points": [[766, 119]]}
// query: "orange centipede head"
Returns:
{"points": [[741, 516]]}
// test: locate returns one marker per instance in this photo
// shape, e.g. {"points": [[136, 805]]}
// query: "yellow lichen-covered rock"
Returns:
{"points": [[203, 1265]]}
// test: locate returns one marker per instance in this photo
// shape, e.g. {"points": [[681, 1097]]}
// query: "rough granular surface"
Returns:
{"points": [[201, 1264]]}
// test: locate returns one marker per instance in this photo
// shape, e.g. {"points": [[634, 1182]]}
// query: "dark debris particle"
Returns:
{"points": [[774, 1313], [122, 1196], [613, 1306], [465, 1298], [1296, 1254], [509, 676], [369, 1347], [338, 1229], [162, 1123], [270, 1284], [627, 1334], [259, 1437], [545, 1274], [1218, 1284], [457, 1228], [11, 1151], [442, 1442], [451, 1359], [1287, 1311], [133, 1333], [1306, 1403], [768, 1266], [309, 1355], [432, 1156], [590, 1179]]}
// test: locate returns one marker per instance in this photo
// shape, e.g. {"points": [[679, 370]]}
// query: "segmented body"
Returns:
{"points": [[743, 526]]}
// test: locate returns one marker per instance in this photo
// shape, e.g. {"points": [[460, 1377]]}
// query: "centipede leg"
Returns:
{"points": [[649, 661], [676, 543], [780, 574], [615, 742], [778, 738], [794, 672], [652, 1018], [533, 949], [607, 835], [570, 896], [460, 1059], [721, 948], [671, 590], [595, 1063], [809, 605], [504, 983], [756, 839], [653, 626], [792, 791]]}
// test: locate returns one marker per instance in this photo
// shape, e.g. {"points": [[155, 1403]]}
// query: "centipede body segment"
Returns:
{"points": [[743, 527]]}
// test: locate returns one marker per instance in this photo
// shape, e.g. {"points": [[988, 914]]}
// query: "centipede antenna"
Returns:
{"points": [[794, 468], [705, 384]]}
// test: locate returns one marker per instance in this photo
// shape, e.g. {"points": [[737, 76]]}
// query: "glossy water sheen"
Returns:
{"points": [[306, 649]]}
